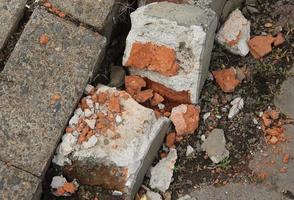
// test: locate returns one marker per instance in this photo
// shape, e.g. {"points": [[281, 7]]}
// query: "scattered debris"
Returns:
{"points": [[206, 116], [237, 105], [161, 174], [215, 146], [235, 33], [134, 84], [190, 150], [157, 99], [226, 79], [44, 39], [262, 45], [143, 96], [61, 187], [55, 98], [286, 158], [272, 127], [185, 118], [279, 39]]}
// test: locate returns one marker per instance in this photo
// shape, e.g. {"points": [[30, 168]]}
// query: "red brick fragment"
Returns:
{"points": [[44, 39], [168, 94], [153, 57], [279, 39], [114, 104], [226, 79], [134, 84], [143, 96], [261, 45], [185, 118], [157, 99]]}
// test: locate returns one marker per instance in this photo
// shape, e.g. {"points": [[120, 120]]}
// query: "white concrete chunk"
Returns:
{"points": [[235, 34], [171, 44], [215, 146], [162, 173], [119, 154]]}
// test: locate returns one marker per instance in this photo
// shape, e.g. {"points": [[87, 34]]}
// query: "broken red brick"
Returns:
{"points": [[114, 104], [275, 131], [266, 119], [55, 98], [273, 140], [69, 187], [153, 57], [279, 39], [143, 96], [157, 99], [261, 45], [44, 39], [59, 192], [185, 118], [102, 97], [226, 79], [168, 94], [134, 84]]}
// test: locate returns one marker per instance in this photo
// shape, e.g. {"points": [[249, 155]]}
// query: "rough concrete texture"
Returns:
{"points": [[10, 14], [235, 34], [263, 163], [40, 87], [117, 157], [162, 172], [235, 191], [18, 185], [215, 146], [186, 31], [215, 5], [98, 13], [284, 100]]}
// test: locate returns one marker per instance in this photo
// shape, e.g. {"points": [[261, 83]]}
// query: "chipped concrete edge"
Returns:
{"points": [[160, 129]]}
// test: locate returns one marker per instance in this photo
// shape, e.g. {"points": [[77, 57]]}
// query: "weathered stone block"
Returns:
{"points": [[98, 13], [114, 145], [10, 13], [171, 44], [40, 87], [16, 184], [215, 5]]}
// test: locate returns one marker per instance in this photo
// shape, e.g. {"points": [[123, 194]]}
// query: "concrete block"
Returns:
{"points": [[16, 184], [123, 148], [234, 35], [11, 12], [40, 87], [171, 44]]}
